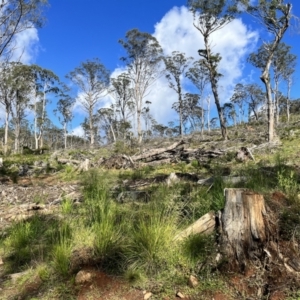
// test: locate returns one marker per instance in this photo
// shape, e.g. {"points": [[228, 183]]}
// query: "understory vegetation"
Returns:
{"points": [[135, 240]]}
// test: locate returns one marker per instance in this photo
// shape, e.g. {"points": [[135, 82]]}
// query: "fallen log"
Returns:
{"points": [[69, 161], [205, 225], [155, 163], [156, 151]]}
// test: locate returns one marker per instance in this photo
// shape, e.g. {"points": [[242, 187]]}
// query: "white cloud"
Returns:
{"points": [[78, 131], [175, 32], [25, 46]]}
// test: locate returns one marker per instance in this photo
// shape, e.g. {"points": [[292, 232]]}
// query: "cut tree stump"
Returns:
{"points": [[243, 231]]}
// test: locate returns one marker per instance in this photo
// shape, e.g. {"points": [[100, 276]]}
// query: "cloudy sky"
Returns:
{"points": [[78, 30]]}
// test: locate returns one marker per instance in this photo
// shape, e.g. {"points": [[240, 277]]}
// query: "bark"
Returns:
{"points": [[288, 99], [6, 133], [139, 126], [91, 124], [243, 231], [276, 101], [65, 135], [17, 137], [270, 111], [208, 113], [180, 107]]}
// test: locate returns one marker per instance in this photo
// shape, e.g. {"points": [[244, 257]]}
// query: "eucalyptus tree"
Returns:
{"points": [[176, 66], [199, 76], [228, 109], [17, 16], [239, 98], [14, 96], [44, 82], [106, 118], [288, 77], [65, 106], [275, 15], [124, 105], [143, 59], [192, 113], [256, 98], [248, 94], [92, 80], [282, 64], [6, 95], [147, 116], [21, 84], [209, 17], [121, 91]]}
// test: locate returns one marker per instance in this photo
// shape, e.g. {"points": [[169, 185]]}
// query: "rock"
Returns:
{"points": [[180, 295], [133, 196], [172, 179], [14, 277], [83, 277], [193, 281], [147, 296]]}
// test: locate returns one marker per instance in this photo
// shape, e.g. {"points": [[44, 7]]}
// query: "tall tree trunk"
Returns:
{"points": [[270, 111], [202, 117], [112, 132], [208, 113], [91, 125], [180, 116], [276, 101], [17, 137], [288, 99], [6, 132], [214, 87], [65, 134], [139, 126]]}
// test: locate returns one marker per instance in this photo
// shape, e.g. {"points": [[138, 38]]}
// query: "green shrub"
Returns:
{"points": [[287, 182]]}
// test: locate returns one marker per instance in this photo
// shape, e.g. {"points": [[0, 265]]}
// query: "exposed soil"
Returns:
{"points": [[105, 287]]}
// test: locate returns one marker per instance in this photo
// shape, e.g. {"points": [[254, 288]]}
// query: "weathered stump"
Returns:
{"points": [[243, 232]]}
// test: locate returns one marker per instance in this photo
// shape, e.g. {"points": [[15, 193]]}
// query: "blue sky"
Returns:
{"points": [[77, 30]]}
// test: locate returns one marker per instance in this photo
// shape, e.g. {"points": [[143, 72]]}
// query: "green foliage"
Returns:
{"points": [[19, 241], [61, 257], [69, 173], [66, 206], [287, 182], [150, 245], [289, 223], [197, 248], [121, 147], [61, 240]]}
